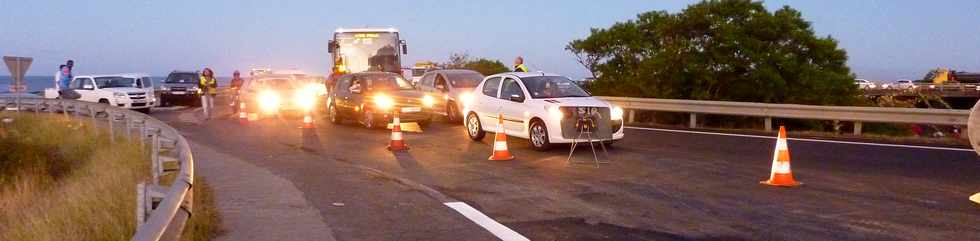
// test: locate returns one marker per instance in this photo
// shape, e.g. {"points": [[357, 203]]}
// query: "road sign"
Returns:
{"points": [[17, 66]]}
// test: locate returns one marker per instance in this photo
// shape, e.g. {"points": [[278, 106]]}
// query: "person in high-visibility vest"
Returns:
{"points": [[519, 65], [209, 88]]}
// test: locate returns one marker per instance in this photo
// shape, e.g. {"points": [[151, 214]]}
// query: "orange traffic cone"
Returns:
{"points": [[397, 144], [307, 121], [781, 174], [500, 152], [242, 114]]}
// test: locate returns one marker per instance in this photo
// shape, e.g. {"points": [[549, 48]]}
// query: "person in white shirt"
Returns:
{"points": [[57, 78]]}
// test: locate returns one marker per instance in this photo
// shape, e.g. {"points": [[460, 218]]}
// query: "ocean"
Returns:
{"points": [[39, 83]]}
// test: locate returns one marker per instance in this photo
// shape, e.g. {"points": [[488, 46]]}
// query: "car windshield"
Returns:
{"points": [[542, 87], [190, 78], [115, 82], [464, 80], [387, 82]]}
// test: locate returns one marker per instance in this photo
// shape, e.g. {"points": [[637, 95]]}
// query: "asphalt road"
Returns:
{"points": [[659, 185]]}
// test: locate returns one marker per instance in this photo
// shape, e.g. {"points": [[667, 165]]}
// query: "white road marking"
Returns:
{"points": [[501, 231], [803, 139]]}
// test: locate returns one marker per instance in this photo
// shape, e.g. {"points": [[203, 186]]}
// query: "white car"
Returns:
{"points": [[904, 84], [129, 91], [865, 84], [543, 108]]}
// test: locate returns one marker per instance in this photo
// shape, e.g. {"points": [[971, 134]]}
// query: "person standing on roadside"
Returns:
{"points": [[57, 77], [519, 64], [236, 86], [71, 66], [209, 88]]}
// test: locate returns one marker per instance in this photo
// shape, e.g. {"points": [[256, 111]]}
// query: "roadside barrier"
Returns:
{"points": [[500, 151], [397, 144], [161, 211], [781, 174]]}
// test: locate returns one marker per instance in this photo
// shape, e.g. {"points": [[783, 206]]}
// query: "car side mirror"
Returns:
{"points": [[516, 98], [404, 47], [332, 46], [88, 87]]}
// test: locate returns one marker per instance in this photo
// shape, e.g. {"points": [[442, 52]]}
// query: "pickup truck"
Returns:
{"points": [[130, 91]]}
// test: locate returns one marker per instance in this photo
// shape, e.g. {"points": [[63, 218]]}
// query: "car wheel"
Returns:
{"points": [[425, 123], [452, 113], [334, 115], [473, 128], [368, 119], [104, 101], [539, 136]]}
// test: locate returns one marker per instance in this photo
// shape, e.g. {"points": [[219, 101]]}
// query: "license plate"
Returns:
{"points": [[179, 92], [411, 109]]}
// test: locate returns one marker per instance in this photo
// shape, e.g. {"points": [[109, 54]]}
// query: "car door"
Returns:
{"points": [[440, 89], [513, 105], [342, 96], [487, 105], [85, 87]]}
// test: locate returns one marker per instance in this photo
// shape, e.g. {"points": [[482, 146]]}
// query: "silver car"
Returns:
{"points": [[451, 89]]}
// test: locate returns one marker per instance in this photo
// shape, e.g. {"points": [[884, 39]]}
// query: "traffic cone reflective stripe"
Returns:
{"points": [[307, 121], [782, 174], [397, 143], [500, 152], [242, 114]]}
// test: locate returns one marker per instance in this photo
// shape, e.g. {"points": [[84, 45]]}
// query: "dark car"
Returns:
{"points": [[453, 89], [180, 86], [372, 98]]}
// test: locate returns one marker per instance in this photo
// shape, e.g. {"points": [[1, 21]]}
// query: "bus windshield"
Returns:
{"points": [[368, 51]]}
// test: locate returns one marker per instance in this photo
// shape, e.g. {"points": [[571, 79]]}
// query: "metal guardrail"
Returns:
{"points": [[814, 112], [161, 212]]}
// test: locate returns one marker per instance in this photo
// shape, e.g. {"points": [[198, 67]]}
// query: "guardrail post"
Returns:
{"points": [[768, 124], [857, 128], [693, 122], [142, 131], [128, 128], [140, 204], [112, 131], [632, 116], [155, 156], [64, 109]]}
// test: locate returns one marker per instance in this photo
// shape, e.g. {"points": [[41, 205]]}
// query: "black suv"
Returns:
{"points": [[180, 86]]}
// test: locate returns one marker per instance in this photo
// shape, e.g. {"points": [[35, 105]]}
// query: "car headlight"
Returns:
{"points": [[428, 101], [616, 113], [269, 101], [383, 102], [164, 88], [466, 99], [305, 98], [555, 113], [119, 95]]}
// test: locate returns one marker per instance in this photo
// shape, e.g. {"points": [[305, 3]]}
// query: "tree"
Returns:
{"points": [[732, 50], [482, 65]]}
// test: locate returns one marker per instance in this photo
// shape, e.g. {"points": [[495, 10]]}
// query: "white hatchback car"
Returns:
{"points": [[543, 108]]}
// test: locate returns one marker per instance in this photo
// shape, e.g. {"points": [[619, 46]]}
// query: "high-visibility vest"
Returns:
{"points": [[520, 68], [208, 85]]}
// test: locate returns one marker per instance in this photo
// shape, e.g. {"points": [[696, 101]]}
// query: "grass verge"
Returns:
{"points": [[205, 223], [61, 179]]}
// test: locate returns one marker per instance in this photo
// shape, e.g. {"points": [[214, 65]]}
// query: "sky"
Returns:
{"points": [[885, 40]]}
